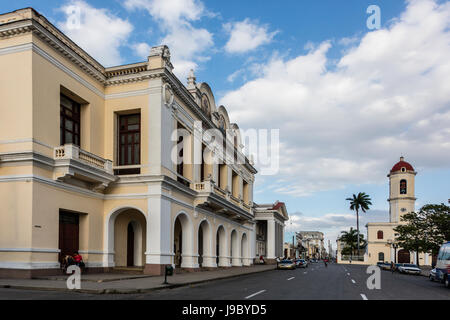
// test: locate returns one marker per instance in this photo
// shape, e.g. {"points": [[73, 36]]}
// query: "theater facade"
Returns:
{"points": [[104, 161]]}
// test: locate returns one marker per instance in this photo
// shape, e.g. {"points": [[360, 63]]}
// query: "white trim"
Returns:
{"points": [[30, 250], [12, 141], [29, 265], [57, 184], [92, 252], [94, 264], [127, 94]]}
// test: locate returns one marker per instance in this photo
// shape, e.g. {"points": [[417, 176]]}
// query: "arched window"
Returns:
{"points": [[380, 234], [403, 188], [380, 256]]}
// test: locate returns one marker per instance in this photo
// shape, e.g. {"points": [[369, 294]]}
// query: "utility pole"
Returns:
{"points": [[293, 246]]}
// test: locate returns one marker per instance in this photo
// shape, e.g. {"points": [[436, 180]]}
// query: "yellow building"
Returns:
{"points": [[381, 237], [87, 161]]}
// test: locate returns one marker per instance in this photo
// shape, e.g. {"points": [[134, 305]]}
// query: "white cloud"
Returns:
{"points": [[246, 36], [97, 31], [186, 42], [142, 50], [171, 11], [347, 122]]}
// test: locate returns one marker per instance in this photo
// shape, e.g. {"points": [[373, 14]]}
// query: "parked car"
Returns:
{"points": [[409, 268], [433, 275], [301, 263], [384, 265], [443, 264], [287, 264]]}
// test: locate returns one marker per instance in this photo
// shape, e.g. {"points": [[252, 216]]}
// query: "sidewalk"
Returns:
{"points": [[122, 283], [425, 271]]}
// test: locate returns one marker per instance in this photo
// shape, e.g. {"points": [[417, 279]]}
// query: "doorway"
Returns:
{"points": [[130, 246], [69, 233]]}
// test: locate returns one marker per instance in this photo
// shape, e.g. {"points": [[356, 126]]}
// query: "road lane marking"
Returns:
{"points": [[364, 296], [353, 281], [291, 278], [305, 272], [255, 294]]}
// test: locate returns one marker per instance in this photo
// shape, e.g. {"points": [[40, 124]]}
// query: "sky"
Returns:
{"points": [[348, 101]]}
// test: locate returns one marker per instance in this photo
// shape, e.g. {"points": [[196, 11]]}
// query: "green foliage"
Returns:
{"points": [[425, 230], [350, 240], [361, 202]]}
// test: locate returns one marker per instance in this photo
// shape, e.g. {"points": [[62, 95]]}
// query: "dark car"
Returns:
{"points": [[433, 275], [301, 263]]}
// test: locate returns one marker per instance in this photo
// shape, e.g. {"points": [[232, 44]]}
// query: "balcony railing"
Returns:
{"points": [[73, 152], [209, 187], [74, 163]]}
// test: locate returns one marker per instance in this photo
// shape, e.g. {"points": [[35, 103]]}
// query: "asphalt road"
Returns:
{"points": [[336, 282]]}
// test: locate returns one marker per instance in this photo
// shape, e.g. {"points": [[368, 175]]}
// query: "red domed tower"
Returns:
{"points": [[401, 190]]}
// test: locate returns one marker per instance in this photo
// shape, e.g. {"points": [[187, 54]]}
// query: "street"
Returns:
{"points": [[317, 282]]}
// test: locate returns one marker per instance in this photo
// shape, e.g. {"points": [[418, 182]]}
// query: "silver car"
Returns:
{"points": [[409, 268]]}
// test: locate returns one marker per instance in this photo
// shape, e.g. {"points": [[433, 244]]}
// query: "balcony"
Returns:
{"points": [[221, 202], [77, 166]]}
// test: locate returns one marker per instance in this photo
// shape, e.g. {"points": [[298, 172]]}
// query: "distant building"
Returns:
{"points": [[312, 242], [381, 239], [270, 219], [381, 235]]}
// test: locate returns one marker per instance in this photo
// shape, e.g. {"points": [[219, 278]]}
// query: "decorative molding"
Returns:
{"points": [[37, 250], [29, 265]]}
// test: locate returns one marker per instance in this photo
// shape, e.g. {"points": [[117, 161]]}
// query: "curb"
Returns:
{"points": [[131, 291]]}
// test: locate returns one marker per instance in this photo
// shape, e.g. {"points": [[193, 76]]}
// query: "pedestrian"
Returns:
{"points": [[392, 266], [78, 259]]}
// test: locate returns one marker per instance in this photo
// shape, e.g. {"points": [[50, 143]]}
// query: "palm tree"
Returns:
{"points": [[360, 201], [350, 238]]}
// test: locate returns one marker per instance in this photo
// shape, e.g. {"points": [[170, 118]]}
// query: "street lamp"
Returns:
{"points": [[394, 245]]}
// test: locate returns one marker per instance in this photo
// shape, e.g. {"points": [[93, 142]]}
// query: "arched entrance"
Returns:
{"points": [[183, 242], [127, 238], [244, 251], [403, 256], [221, 246]]}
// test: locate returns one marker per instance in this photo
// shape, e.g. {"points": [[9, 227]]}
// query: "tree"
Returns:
{"points": [[410, 236], [437, 223], [350, 239], [361, 201], [425, 230]]}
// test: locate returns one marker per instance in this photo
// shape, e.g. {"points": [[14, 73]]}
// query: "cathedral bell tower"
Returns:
{"points": [[401, 190]]}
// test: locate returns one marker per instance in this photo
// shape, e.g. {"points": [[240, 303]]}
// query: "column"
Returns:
{"points": [[159, 250], [271, 239], [224, 259]]}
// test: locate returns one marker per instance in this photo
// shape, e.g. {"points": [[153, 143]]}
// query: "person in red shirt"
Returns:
{"points": [[78, 259]]}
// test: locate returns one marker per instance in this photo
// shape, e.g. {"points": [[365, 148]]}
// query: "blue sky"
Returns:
{"points": [[348, 101]]}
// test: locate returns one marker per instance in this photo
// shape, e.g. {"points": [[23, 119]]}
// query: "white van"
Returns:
{"points": [[443, 264]]}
